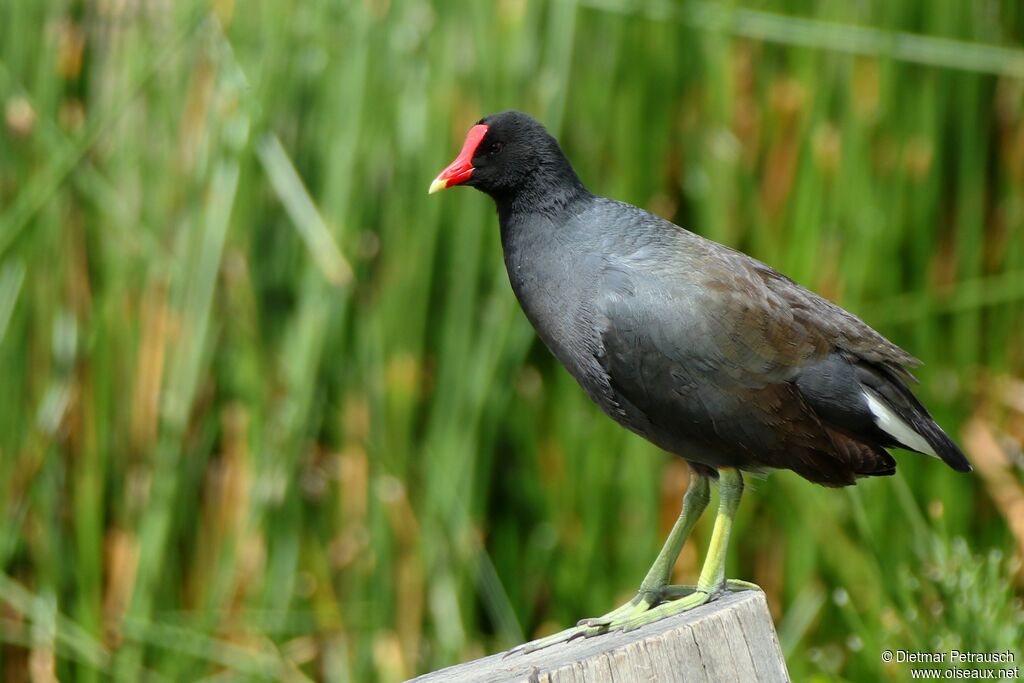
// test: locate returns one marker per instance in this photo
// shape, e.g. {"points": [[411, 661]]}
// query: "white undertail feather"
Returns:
{"points": [[893, 425]]}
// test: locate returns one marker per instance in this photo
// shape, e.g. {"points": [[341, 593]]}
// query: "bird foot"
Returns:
{"points": [[646, 607]]}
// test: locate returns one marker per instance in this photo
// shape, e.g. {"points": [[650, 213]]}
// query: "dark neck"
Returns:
{"points": [[549, 192]]}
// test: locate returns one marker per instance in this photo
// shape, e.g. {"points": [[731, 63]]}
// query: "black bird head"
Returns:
{"points": [[509, 154]]}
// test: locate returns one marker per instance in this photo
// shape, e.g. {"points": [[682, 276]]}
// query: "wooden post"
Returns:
{"points": [[729, 639]]}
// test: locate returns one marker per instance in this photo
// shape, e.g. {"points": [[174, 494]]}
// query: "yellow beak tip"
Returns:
{"points": [[437, 185]]}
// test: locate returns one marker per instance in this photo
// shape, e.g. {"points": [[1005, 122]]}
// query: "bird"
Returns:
{"points": [[702, 350]]}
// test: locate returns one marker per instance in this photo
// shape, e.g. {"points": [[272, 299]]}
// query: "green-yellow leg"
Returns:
{"points": [[655, 586], [712, 574], [656, 598]]}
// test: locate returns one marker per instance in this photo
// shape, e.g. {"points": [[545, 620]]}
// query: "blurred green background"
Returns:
{"points": [[268, 411]]}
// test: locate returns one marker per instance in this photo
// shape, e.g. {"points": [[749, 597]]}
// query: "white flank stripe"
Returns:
{"points": [[891, 423]]}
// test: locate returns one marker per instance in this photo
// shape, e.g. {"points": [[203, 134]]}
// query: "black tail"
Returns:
{"points": [[940, 441], [902, 401]]}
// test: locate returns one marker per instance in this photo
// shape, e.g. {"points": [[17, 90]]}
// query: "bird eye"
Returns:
{"points": [[495, 147]]}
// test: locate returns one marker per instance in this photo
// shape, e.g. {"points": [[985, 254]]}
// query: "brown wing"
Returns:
{"points": [[715, 353]]}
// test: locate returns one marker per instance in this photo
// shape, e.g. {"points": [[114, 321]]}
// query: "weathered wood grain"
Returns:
{"points": [[730, 639]]}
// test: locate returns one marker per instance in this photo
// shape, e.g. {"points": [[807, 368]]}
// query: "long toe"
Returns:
{"points": [[639, 604], [736, 585], [541, 643], [665, 609], [643, 609], [674, 592]]}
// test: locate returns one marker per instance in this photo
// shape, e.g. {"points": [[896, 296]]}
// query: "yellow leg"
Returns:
{"points": [[656, 598]]}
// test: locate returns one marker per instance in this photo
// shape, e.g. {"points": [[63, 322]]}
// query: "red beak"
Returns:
{"points": [[461, 169]]}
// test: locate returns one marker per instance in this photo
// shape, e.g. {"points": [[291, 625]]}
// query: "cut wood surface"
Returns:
{"points": [[730, 639]]}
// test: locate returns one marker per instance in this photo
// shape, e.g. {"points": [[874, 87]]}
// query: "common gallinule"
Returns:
{"points": [[698, 348]]}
